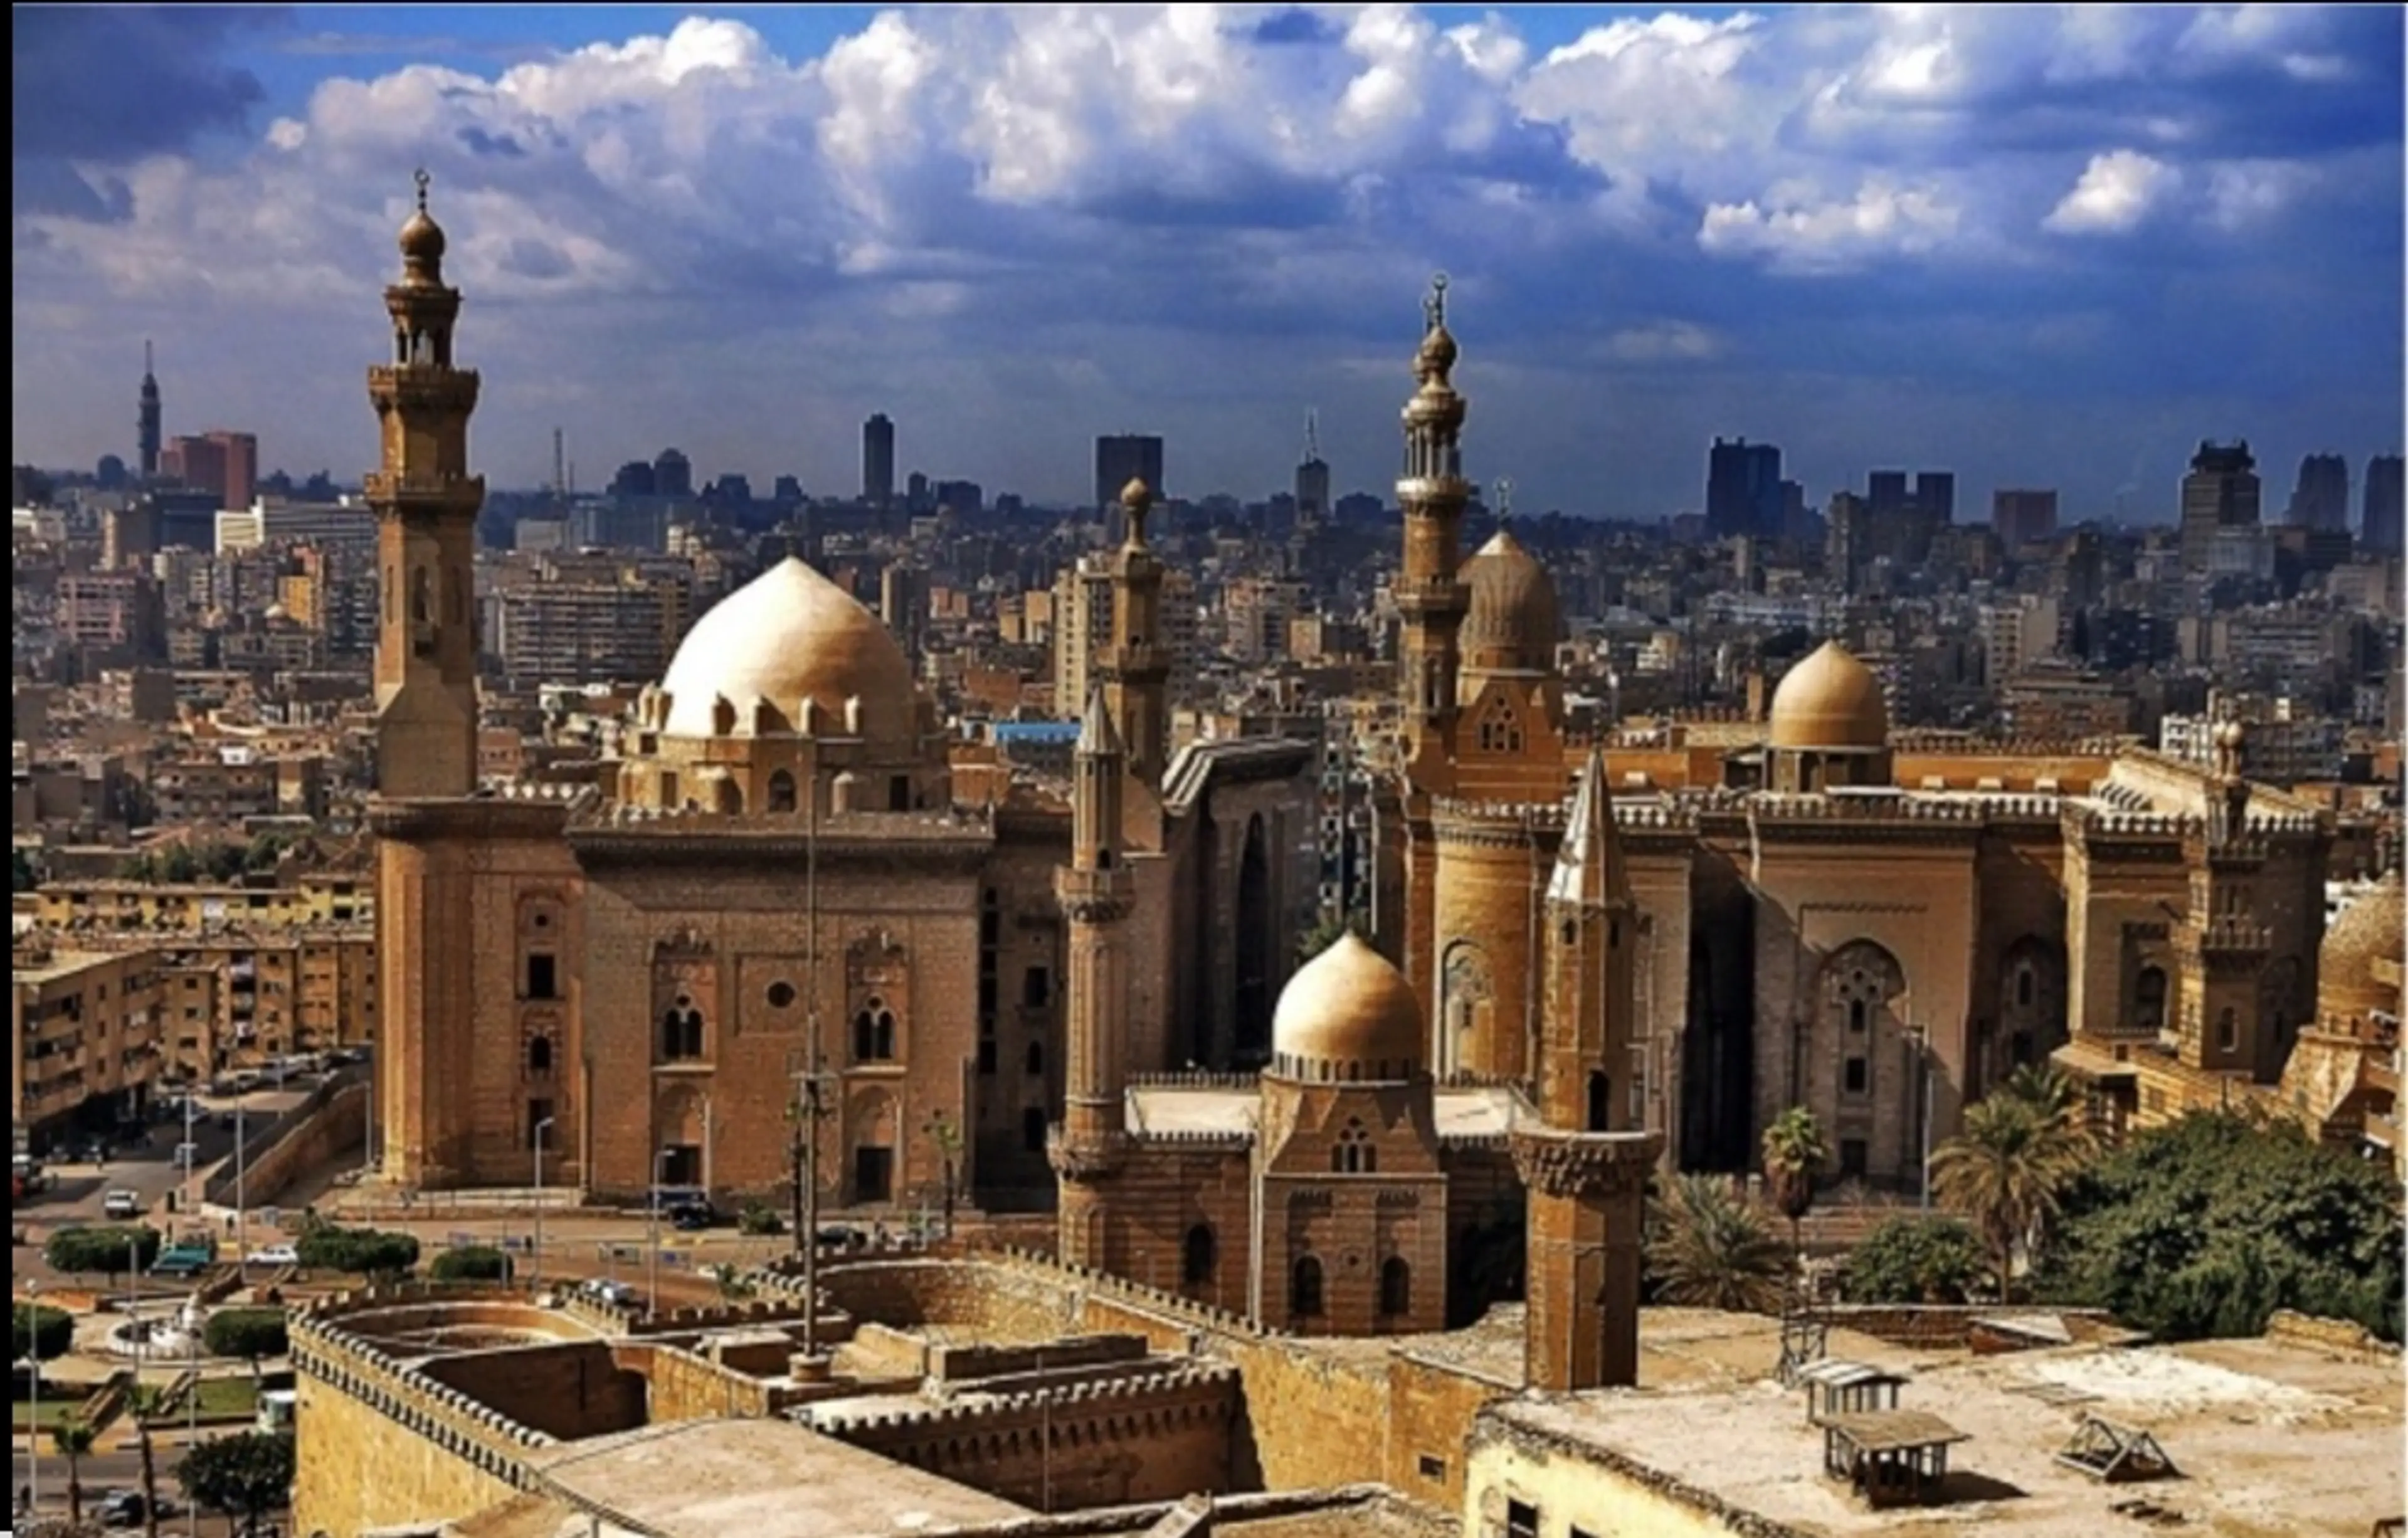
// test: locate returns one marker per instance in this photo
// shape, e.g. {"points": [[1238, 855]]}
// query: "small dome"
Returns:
{"points": [[1513, 624], [421, 239], [1830, 699], [1348, 1005], [2369, 931], [788, 636], [1137, 496], [1437, 354]]}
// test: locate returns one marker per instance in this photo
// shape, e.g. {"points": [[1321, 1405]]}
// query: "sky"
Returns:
{"points": [[2037, 246]]}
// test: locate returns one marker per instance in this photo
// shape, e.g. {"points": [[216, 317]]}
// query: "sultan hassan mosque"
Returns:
{"points": [[1589, 956]]}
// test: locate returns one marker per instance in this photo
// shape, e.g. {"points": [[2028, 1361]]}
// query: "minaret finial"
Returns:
{"points": [[420, 177], [146, 355], [1504, 499], [1434, 308]]}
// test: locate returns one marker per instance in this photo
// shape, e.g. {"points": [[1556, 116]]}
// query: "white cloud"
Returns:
{"points": [[1665, 342], [2247, 192], [2117, 190], [1799, 235]]}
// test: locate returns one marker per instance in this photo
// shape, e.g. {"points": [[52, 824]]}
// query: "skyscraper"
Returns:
{"points": [[2220, 492], [2380, 526], [146, 423], [673, 473], [878, 461], [2320, 500], [1743, 492], [1312, 477], [1122, 458], [2023, 517]]}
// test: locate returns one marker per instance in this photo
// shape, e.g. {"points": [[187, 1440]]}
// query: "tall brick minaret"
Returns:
{"points": [[1586, 1168], [1135, 668], [1433, 493], [1098, 896], [425, 504]]}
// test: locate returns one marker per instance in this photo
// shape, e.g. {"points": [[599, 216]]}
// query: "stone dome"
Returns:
{"points": [[421, 238], [1830, 699], [788, 636], [1512, 622], [2368, 931], [1351, 1009]]}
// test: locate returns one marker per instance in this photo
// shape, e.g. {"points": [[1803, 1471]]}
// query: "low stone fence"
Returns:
{"points": [[331, 1119], [2342, 1337], [1933, 1326]]}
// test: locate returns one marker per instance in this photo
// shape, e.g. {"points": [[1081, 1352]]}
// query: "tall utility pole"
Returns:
{"points": [[810, 1104]]}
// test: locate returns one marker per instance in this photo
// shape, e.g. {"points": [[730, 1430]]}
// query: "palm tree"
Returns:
{"points": [[1794, 1154], [2009, 1168], [145, 1403], [1711, 1250], [73, 1439]]}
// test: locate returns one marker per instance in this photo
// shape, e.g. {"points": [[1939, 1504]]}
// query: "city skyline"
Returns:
{"points": [[2054, 251]]}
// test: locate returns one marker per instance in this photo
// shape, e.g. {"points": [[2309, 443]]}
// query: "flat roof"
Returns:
{"points": [[764, 1478], [1231, 1110], [2257, 1427]]}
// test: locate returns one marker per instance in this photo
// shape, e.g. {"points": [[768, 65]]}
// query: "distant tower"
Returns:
{"points": [[425, 504], [878, 461], [1433, 493], [1586, 1165], [2380, 520], [1135, 668], [1312, 477], [2221, 492], [146, 424], [1097, 895]]}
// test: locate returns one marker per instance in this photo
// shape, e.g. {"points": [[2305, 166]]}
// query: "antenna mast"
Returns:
{"points": [[1312, 435]]}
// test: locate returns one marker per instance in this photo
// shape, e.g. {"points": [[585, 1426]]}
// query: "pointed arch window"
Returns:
{"points": [[681, 1031], [782, 791], [873, 1031], [1396, 1288], [2149, 999], [1304, 1288], [1354, 1153], [1200, 1256]]}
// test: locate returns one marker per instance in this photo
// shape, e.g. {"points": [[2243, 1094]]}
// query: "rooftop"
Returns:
{"points": [[2257, 1428]]}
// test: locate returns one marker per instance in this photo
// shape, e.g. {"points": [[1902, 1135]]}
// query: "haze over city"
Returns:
{"points": [[2036, 246]]}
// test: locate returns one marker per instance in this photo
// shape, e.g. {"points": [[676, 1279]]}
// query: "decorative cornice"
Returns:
{"points": [[1571, 1164], [1089, 1157]]}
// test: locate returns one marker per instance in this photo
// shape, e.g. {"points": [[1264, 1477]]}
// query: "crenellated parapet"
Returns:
{"points": [[1195, 1080], [435, 1413], [885, 1423], [1093, 1156], [1176, 1307]]}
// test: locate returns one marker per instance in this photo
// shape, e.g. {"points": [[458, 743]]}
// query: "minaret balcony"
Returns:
{"points": [[1093, 1156], [1430, 595], [1098, 896], [1568, 1163], [1136, 661]]}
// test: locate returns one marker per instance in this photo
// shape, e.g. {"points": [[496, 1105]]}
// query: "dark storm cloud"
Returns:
{"points": [[107, 85], [482, 143]]}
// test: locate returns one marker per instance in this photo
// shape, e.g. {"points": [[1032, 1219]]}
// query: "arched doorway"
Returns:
{"points": [[873, 1144]]}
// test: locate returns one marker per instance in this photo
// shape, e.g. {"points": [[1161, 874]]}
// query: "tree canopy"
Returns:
{"points": [[2204, 1226], [1708, 1248], [366, 1252], [470, 1264], [40, 1332], [78, 1251], [1914, 1259], [242, 1477], [249, 1332]]}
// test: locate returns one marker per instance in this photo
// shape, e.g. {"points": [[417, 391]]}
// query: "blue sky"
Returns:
{"points": [[2035, 245]]}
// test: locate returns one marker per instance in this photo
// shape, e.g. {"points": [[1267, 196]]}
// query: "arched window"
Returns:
{"points": [[1304, 1288], [1035, 1059], [1396, 1287], [782, 791], [1199, 1256], [1857, 1015], [2023, 985], [1354, 1152], [539, 1055], [681, 1031], [2227, 1029], [422, 598], [1600, 1102], [873, 1031], [2149, 999]]}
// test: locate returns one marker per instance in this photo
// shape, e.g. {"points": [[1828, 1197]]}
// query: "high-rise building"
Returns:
{"points": [[1743, 494], [673, 475], [2220, 492], [1120, 460], [147, 421], [225, 465], [2320, 500], [1312, 478], [878, 461], [2020, 516], [2380, 524]]}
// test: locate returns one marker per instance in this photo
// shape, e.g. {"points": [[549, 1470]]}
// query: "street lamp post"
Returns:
{"points": [[535, 1251], [241, 1218], [1923, 1061], [33, 1437], [652, 1240]]}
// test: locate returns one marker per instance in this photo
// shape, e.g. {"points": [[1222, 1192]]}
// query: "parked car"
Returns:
{"points": [[613, 1294], [273, 1255], [119, 1509], [691, 1217], [121, 1205], [183, 1261], [187, 1155]]}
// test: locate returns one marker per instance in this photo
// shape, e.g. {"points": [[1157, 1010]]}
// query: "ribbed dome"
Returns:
{"points": [[789, 634], [1348, 1005], [421, 238], [1830, 699], [1512, 623], [2367, 931]]}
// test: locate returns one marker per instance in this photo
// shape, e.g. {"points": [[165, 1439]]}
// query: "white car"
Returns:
{"points": [[121, 1205], [273, 1255]]}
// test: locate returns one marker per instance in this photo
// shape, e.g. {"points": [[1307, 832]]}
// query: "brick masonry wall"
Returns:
{"points": [[570, 1391], [358, 1469]]}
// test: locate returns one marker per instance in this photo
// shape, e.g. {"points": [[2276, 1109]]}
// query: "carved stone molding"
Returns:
{"points": [[1607, 1164]]}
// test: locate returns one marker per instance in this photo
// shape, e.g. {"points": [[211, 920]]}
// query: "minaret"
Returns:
{"points": [[1097, 896], [1586, 1170], [1135, 667], [145, 425], [2222, 948], [1433, 493], [425, 504]]}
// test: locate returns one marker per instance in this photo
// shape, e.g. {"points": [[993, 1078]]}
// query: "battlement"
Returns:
{"points": [[1187, 1140], [1195, 1079], [1769, 807], [1156, 1299], [623, 817], [1929, 743], [451, 1421], [1529, 814], [502, 788], [1094, 1398]]}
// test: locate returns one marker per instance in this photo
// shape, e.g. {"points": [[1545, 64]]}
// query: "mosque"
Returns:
{"points": [[1587, 957]]}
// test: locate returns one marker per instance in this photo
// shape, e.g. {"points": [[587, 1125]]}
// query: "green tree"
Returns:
{"points": [[2204, 1227], [1914, 1259], [73, 1438], [40, 1332], [22, 877], [1326, 932], [1795, 1155], [758, 1218], [364, 1252], [734, 1285], [2007, 1169], [146, 1403], [470, 1264], [249, 1334], [178, 866], [78, 1251], [1710, 1248], [243, 1478]]}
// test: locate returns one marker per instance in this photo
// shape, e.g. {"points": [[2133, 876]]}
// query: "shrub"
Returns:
{"points": [[1914, 1260], [41, 1332], [363, 1252], [759, 1218], [78, 1251], [473, 1263], [248, 1332]]}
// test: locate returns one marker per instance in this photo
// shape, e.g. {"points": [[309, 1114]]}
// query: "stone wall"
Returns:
{"points": [[2343, 1337], [1951, 1326], [676, 1383], [307, 1145], [569, 1391], [360, 1467], [1590, 1489]]}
